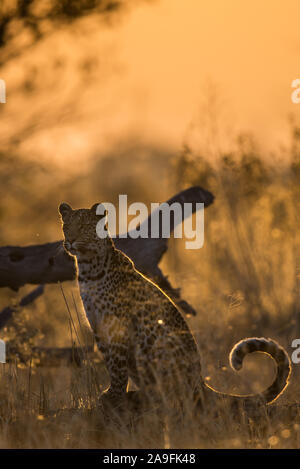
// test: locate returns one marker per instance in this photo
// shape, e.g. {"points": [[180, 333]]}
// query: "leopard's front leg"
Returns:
{"points": [[112, 341]]}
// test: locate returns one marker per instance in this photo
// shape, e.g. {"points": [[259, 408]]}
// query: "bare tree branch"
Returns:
{"points": [[54, 356]]}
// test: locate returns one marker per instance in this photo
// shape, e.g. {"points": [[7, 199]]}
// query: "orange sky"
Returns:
{"points": [[152, 74]]}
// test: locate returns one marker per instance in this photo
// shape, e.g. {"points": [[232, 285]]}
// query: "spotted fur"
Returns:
{"points": [[138, 328]]}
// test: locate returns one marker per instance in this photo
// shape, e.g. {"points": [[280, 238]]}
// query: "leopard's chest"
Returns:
{"points": [[100, 295]]}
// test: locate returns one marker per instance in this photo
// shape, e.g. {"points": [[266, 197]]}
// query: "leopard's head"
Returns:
{"points": [[81, 229]]}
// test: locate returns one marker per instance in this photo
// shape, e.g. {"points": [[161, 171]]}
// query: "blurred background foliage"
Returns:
{"points": [[24, 22]]}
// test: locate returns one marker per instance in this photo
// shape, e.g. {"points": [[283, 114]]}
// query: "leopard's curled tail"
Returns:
{"points": [[279, 355]]}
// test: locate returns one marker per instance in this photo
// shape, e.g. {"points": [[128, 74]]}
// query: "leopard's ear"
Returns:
{"points": [[65, 210], [99, 212]]}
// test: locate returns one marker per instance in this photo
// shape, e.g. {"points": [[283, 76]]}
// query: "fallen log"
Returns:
{"points": [[49, 263]]}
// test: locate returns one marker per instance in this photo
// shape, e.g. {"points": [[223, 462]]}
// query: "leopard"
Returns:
{"points": [[140, 332]]}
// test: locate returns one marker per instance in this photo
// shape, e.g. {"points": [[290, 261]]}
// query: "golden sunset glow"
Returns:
{"points": [[148, 101], [92, 85]]}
